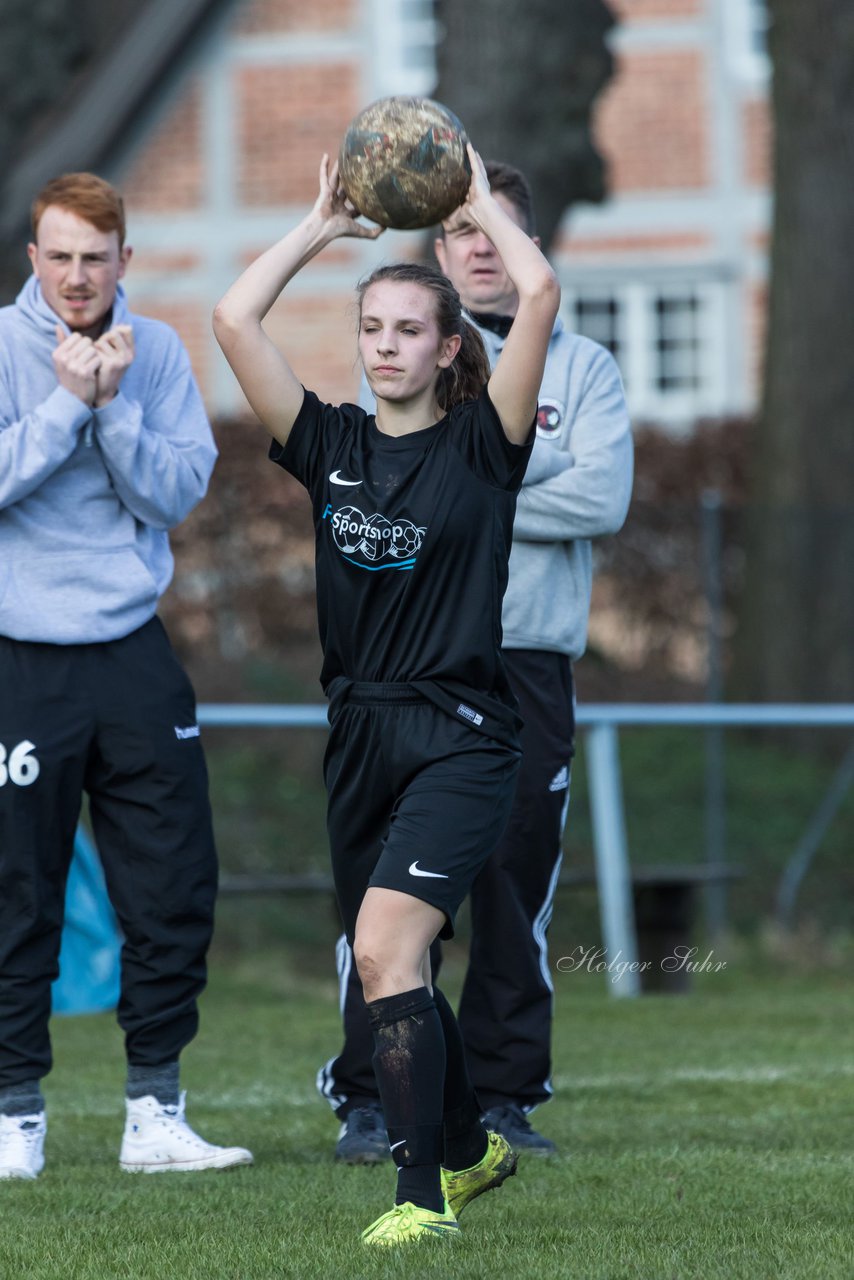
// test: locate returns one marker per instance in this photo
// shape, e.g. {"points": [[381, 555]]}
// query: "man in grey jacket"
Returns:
{"points": [[104, 446], [577, 487]]}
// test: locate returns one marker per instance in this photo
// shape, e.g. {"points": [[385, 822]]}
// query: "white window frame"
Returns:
{"points": [[403, 41], [617, 319], [746, 38], [638, 333]]}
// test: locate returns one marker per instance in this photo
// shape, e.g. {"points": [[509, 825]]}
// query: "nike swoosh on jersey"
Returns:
{"points": [[415, 870], [335, 477]]}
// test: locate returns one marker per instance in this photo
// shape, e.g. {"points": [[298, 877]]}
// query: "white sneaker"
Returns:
{"points": [[22, 1145], [158, 1139]]}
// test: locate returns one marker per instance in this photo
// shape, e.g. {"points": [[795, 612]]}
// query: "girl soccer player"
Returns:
{"points": [[413, 511]]}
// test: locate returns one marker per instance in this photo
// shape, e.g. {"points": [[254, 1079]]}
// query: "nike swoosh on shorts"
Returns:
{"points": [[335, 477]]}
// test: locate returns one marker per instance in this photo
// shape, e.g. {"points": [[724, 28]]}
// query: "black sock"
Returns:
{"points": [[409, 1064], [417, 1183], [465, 1135]]}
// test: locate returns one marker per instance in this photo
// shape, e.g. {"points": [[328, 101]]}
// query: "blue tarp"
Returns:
{"points": [[88, 979]]}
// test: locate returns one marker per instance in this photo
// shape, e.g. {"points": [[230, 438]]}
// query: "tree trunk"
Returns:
{"points": [[522, 80], [796, 628]]}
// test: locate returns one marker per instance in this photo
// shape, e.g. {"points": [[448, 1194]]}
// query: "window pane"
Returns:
{"points": [[404, 46], [598, 317], [677, 342]]}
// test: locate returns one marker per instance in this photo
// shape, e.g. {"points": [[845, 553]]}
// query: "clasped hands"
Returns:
{"points": [[93, 369]]}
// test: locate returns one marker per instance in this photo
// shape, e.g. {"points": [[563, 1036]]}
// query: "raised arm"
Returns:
{"points": [[516, 378], [268, 381]]}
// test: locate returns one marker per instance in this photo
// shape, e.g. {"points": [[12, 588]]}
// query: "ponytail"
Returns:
{"points": [[467, 375]]}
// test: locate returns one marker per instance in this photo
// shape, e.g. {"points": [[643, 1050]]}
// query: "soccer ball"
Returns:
{"points": [[403, 162], [407, 539], [347, 529], [377, 540]]}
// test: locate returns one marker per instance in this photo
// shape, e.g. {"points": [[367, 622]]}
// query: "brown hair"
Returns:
{"points": [[468, 373], [511, 183], [87, 195]]}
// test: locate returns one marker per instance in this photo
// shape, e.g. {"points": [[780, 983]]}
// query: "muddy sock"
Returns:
{"points": [[409, 1064]]}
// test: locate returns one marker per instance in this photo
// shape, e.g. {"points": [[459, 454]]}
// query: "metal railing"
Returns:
{"points": [[601, 723]]}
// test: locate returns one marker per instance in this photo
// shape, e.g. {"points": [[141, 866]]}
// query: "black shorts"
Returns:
{"points": [[417, 800]]}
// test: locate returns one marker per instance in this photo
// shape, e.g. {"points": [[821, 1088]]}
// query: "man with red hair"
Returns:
{"points": [[104, 447]]}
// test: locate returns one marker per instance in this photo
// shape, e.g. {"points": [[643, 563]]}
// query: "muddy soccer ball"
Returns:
{"points": [[403, 163]]}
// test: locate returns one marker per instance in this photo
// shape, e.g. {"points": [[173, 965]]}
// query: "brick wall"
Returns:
{"points": [[267, 17], [757, 135], [650, 10], [757, 328], [319, 333], [280, 140], [190, 319], [640, 244], [167, 175], [652, 122]]}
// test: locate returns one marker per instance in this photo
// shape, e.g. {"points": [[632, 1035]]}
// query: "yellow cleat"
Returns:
{"points": [[462, 1186], [407, 1222]]}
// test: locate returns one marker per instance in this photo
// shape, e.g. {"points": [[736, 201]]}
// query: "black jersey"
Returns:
{"points": [[413, 536]]}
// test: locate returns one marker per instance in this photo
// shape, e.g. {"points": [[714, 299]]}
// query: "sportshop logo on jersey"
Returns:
{"points": [[374, 542]]}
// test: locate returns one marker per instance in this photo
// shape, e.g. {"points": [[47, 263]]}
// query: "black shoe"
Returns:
{"points": [[363, 1138], [510, 1121]]}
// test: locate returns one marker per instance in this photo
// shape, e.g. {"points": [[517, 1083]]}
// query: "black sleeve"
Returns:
{"points": [[312, 440], [480, 438]]}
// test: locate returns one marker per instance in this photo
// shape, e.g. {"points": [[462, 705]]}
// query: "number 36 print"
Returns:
{"points": [[19, 765]]}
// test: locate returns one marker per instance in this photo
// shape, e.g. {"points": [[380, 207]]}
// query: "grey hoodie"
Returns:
{"points": [[87, 495], [577, 487]]}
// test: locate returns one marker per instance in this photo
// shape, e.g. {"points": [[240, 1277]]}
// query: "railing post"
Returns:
{"points": [[616, 907], [716, 894], [798, 865]]}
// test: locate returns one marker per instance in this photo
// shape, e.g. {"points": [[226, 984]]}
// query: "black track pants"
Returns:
{"points": [[505, 1011], [117, 720]]}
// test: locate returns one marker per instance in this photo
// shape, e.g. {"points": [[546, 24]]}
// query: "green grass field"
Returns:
{"points": [[703, 1136]]}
